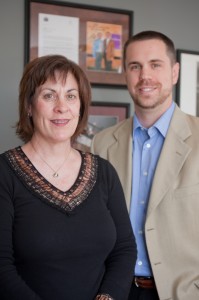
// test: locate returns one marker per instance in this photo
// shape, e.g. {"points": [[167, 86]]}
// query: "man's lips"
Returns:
{"points": [[147, 89]]}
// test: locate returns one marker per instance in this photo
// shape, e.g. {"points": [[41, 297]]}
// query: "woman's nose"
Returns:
{"points": [[61, 105]]}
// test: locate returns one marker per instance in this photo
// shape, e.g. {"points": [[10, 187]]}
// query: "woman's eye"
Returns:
{"points": [[49, 96], [70, 97]]}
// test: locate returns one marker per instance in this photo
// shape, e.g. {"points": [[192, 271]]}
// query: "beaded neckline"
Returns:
{"points": [[65, 201]]}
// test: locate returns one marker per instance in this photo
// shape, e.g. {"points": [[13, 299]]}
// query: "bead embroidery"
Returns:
{"points": [[64, 201]]}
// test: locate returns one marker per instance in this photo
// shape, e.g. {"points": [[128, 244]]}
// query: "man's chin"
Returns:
{"points": [[146, 106]]}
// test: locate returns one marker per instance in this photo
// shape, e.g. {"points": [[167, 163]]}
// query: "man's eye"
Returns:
{"points": [[154, 66], [135, 67]]}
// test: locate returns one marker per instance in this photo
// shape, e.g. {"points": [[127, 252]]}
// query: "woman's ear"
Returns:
{"points": [[30, 111]]}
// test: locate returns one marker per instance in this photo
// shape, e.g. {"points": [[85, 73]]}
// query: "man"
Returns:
{"points": [[156, 154], [98, 50], [109, 47]]}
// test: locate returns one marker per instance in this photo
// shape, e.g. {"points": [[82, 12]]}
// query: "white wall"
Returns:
{"points": [[177, 19]]}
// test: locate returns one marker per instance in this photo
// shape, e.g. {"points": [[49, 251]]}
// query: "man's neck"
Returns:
{"points": [[148, 117]]}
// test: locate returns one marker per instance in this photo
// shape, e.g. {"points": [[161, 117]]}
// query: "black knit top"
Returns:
{"points": [[57, 245]]}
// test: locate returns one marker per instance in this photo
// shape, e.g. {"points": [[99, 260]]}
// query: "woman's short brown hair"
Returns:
{"points": [[36, 73]]}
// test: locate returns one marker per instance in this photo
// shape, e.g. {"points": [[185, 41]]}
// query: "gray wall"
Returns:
{"points": [[178, 19]]}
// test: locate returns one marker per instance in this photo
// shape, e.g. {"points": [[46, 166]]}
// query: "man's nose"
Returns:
{"points": [[145, 73]]}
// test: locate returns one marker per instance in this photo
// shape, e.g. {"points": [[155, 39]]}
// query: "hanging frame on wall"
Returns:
{"points": [[187, 88], [72, 30], [101, 115]]}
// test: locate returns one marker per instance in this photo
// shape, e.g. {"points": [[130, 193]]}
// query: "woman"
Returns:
{"points": [[64, 228]]}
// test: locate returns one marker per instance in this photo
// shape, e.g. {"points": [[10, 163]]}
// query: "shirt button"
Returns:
{"points": [[139, 263], [148, 145], [145, 173], [140, 232]]}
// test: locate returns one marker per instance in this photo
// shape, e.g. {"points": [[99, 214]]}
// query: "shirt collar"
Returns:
{"points": [[162, 124]]}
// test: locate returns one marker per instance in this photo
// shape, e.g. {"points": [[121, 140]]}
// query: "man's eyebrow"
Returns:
{"points": [[134, 63], [156, 60], [150, 61]]}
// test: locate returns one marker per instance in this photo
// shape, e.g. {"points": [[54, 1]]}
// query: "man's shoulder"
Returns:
{"points": [[107, 137], [191, 119], [112, 130], [193, 122], [185, 123]]}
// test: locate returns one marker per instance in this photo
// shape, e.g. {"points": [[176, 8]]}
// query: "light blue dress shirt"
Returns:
{"points": [[97, 47], [147, 145]]}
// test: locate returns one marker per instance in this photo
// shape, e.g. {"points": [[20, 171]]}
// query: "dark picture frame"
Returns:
{"points": [[45, 23], [102, 115], [187, 88]]}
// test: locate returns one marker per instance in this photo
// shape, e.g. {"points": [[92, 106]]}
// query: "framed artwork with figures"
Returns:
{"points": [[79, 32]]}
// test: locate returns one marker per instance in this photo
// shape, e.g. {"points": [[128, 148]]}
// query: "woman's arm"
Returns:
{"points": [[121, 261], [12, 286]]}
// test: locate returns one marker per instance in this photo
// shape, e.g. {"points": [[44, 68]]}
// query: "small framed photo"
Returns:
{"points": [[187, 88], [101, 116], [91, 36]]}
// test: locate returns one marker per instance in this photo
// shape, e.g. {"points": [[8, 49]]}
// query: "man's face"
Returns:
{"points": [[150, 74], [99, 35], [108, 35]]}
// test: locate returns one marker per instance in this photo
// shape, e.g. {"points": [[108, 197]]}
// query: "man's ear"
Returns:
{"points": [[176, 70]]}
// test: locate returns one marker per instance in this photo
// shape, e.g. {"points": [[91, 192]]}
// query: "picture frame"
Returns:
{"points": [[187, 88], [45, 33], [102, 115]]}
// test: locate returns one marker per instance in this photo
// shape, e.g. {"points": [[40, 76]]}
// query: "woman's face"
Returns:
{"points": [[55, 109]]}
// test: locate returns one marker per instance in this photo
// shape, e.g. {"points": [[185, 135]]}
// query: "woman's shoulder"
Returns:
{"points": [[102, 165], [8, 157], [94, 157], [7, 162]]}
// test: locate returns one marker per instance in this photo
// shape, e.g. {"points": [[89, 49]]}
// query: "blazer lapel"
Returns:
{"points": [[174, 153]]}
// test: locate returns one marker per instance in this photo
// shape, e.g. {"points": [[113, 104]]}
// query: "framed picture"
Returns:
{"points": [[101, 116], [187, 89], [91, 36]]}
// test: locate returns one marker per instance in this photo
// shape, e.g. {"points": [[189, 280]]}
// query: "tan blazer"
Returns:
{"points": [[172, 222], [110, 50]]}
